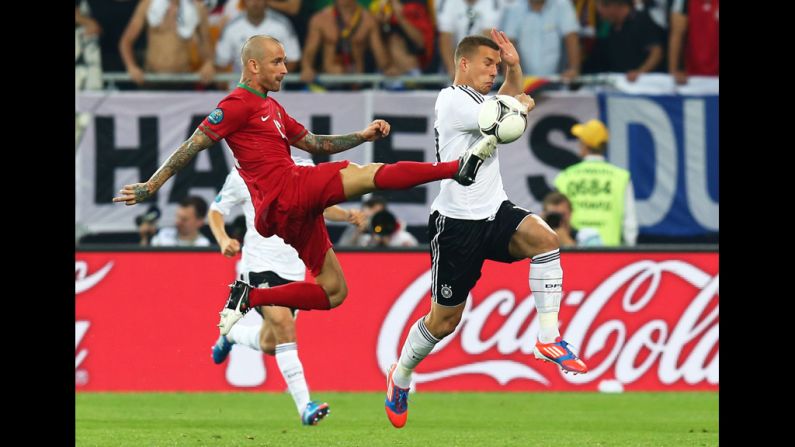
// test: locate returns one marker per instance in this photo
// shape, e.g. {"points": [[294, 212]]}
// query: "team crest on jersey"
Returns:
{"points": [[447, 291], [216, 116]]}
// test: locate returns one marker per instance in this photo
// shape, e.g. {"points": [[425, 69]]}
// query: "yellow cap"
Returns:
{"points": [[593, 133]]}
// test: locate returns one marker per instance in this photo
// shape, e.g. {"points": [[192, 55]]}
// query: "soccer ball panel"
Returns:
{"points": [[489, 114], [511, 127], [504, 117]]}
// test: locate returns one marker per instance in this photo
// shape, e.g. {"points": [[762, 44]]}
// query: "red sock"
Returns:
{"points": [[407, 174], [298, 295]]}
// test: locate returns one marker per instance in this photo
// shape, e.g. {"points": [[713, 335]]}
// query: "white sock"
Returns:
{"points": [[245, 335], [546, 283], [293, 373], [418, 345]]}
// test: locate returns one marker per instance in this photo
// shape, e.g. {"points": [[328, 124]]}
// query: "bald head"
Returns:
{"points": [[256, 47]]}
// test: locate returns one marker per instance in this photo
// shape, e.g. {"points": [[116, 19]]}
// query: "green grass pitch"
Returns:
{"points": [[435, 419]]}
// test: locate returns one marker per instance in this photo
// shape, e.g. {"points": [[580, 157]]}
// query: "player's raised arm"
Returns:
{"points": [[138, 192], [332, 144], [513, 70]]}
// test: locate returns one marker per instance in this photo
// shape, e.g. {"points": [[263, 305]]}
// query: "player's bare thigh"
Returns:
{"points": [[533, 237], [358, 180]]}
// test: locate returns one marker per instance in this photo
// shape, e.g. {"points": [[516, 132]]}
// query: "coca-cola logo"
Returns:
{"points": [[84, 282], [661, 341]]}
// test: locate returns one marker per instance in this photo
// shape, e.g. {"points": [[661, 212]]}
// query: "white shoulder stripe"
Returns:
{"points": [[470, 94]]}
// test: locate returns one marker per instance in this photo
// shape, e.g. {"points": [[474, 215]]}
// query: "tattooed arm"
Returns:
{"points": [[331, 144], [138, 192]]}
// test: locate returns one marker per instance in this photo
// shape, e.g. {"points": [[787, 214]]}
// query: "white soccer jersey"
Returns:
{"points": [[260, 254], [235, 34], [462, 19], [456, 129]]}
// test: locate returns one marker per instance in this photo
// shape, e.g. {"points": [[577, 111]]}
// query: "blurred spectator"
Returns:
{"points": [[190, 217], [657, 11], [537, 28], [460, 18], [258, 19], [343, 32], [407, 32], [352, 236], [632, 45], [601, 193], [694, 27], [171, 26], [147, 224], [557, 214], [235, 8], [386, 231], [106, 20], [585, 12]]}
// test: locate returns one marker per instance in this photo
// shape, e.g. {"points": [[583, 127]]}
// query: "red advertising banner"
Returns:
{"points": [[145, 321]]}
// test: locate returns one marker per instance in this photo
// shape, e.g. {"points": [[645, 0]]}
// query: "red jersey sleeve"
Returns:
{"points": [[229, 116], [292, 128]]}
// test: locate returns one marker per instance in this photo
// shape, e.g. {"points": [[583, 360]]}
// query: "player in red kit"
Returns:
{"points": [[289, 200]]}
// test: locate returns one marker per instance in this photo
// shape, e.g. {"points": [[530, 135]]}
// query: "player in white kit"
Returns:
{"points": [[472, 224], [267, 262]]}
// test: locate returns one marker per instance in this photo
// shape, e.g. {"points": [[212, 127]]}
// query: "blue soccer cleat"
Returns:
{"points": [[221, 350], [397, 400], [314, 412]]}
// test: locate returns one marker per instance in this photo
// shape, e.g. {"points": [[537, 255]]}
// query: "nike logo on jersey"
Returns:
{"points": [[264, 118]]}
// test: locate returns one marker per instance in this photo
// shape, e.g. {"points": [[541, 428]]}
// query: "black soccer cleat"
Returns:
{"points": [[470, 161], [236, 306]]}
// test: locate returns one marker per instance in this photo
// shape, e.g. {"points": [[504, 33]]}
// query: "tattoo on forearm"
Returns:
{"points": [[196, 143], [331, 144]]}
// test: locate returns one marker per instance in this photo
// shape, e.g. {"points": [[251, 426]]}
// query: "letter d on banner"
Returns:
{"points": [[623, 111]]}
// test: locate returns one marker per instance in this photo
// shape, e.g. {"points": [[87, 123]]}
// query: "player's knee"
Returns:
{"points": [[287, 336], [372, 168], [267, 346], [534, 241], [549, 241], [337, 293]]}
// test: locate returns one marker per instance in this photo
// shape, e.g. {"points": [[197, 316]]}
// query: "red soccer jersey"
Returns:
{"points": [[259, 131], [701, 57]]}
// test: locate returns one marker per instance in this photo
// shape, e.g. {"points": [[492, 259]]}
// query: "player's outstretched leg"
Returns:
{"points": [[358, 180], [298, 295]]}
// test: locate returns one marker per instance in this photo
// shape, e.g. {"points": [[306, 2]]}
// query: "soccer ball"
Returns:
{"points": [[504, 117]]}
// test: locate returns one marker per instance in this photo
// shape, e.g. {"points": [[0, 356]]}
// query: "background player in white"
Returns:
{"points": [[268, 262], [470, 225]]}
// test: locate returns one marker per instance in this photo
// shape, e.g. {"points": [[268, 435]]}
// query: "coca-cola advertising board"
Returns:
{"points": [[145, 321]]}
